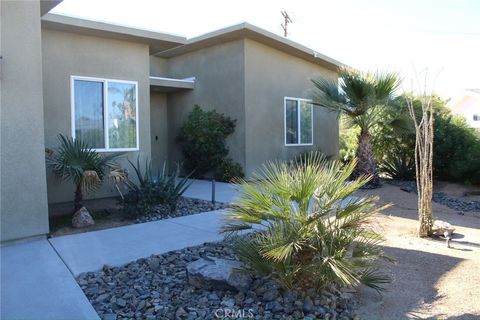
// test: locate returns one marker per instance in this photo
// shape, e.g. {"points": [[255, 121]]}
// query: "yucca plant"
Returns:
{"points": [[308, 228], [75, 161]]}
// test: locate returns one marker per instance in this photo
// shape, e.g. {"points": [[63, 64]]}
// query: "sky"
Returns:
{"points": [[436, 40]]}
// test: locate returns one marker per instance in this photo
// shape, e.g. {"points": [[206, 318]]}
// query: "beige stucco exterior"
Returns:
{"points": [[270, 76], [23, 203], [69, 54], [241, 71], [219, 72]]}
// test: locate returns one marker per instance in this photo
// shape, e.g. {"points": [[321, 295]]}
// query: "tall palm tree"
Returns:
{"points": [[358, 96], [76, 161]]}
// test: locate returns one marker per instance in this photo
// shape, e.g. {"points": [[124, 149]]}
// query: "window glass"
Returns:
{"points": [[291, 121], [122, 115], [89, 113], [305, 122]]}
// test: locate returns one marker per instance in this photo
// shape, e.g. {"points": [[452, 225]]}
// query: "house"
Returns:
{"points": [[468, 106], [125, 89]]}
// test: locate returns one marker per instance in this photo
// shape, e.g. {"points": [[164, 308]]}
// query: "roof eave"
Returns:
{"points": [[155, 40], [246, 30]]}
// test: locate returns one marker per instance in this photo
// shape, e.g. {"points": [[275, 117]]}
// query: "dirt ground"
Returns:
{"points": [[429, 279]]}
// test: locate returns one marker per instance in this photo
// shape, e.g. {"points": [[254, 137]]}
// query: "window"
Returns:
{"points": [[104, 113], [476, 117], [298, 122]]}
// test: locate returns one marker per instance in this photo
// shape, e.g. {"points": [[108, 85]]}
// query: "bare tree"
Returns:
{"points": [[423, 159]]}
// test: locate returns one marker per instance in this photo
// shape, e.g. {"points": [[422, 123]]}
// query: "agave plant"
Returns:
{"points": [[166, 187], [358, 96], [75, 161], [307, 228]]}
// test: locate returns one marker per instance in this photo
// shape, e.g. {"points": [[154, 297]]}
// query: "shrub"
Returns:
{"points": [[348, 143], [305, 245], [203, 140], [229, 170], [456, 150], [164, 188]]}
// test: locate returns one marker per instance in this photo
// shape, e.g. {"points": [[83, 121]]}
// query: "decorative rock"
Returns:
{"points": [[180, 312], [121, 303], [270, 295], [218, 274], [307, 304], [82, 218], [109, 316]]}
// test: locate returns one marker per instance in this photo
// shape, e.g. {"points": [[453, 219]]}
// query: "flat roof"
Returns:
{"points": [[249, 31], [162, 84], [156, 41]]}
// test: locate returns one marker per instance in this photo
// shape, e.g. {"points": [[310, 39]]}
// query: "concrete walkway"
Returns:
{"points": [[36, 284], [202, 189], [37, 277], [117, 246]]}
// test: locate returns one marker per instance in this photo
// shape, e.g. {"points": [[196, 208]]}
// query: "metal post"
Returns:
{"points": [[213, 191]]}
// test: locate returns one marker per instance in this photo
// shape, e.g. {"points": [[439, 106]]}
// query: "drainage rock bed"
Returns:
{"points": [[440, 197], [157, 288], [185, 207]]}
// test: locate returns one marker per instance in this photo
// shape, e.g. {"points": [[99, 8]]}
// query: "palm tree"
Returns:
{"points": [[76, 161], [308, 229], [358, 96]]}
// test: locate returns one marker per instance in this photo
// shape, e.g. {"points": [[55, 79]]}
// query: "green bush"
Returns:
{"points": [[348, 144], [229, 170], [456, 150], [203, 141], [305, 245], [164, 188]]}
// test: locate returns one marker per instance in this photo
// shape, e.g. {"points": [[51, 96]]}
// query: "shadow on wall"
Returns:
{"points": [[415, 277]]}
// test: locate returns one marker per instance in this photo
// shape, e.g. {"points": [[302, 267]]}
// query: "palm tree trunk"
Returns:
{"points": [[367, 165], [78, 198]]}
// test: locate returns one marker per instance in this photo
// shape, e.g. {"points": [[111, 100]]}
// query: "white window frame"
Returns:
{"points": [[298, 122], [105, 82]]}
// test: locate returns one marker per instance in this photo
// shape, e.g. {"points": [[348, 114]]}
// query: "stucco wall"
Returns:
{"points": [[23, 203], [158, 66], [219, 85], [159, 128], [270, 76], [67, 54]]}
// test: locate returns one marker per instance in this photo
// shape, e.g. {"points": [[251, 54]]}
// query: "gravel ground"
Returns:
{"points": [[461, 204], [157, 288], [185, 207]]}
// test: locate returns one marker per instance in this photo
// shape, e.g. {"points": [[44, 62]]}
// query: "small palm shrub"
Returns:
{"points": [[75, 161], [151, 190], [308, 229]]}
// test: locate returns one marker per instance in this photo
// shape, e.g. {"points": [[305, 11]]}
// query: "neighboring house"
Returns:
{"points": [[468, 106], [125, 89]]}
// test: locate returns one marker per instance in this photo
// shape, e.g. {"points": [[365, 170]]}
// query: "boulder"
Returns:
{"points": [[82, 218], [218, 274], [442, 228]]}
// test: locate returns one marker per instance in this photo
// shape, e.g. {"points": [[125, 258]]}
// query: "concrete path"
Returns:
{"points": [[202, 189], [117, 246], [36, 284]]}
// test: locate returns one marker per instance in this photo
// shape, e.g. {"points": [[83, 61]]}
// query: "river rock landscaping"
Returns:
{"points": [[463, 205], [185, 206], [158, 287]]}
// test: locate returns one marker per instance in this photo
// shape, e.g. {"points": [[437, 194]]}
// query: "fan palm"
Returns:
{"points": [[75, 161], [358, 96], [308, 228]]}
